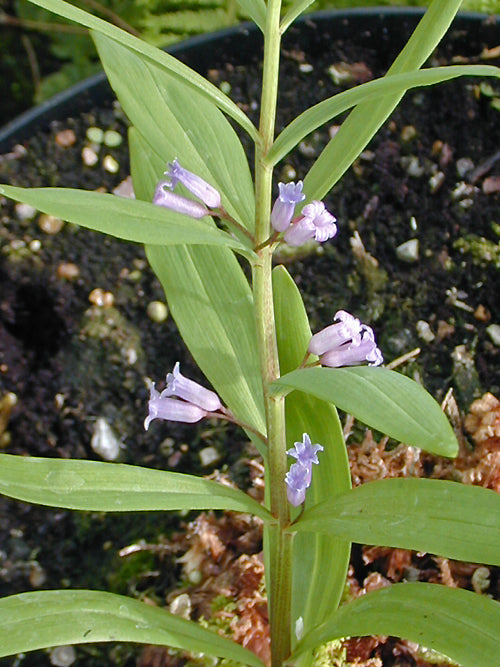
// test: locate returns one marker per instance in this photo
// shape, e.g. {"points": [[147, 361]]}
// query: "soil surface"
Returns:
{"points": [[77, 359]]}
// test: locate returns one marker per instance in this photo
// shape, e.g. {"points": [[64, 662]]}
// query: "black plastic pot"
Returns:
{"points": [[387, 29]]}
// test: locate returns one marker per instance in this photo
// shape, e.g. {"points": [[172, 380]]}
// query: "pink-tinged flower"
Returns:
{"points": [[200, 188], [177, 203], [305, 452], [188, 390], [290, 194], [346, 329], [347, 342], [298, 478], [170, 409], [316, 223]]}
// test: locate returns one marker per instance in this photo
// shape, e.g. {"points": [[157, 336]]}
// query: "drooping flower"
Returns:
{"points": [[195, 184], [316, 223], [170, 409], [347, 342], [190, 403], [290, 194], [188, 390], [298, 478], [305, 452], [177, 203]]}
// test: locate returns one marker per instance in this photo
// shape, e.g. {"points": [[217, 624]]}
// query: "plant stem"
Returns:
{"points": [[278, 574]]}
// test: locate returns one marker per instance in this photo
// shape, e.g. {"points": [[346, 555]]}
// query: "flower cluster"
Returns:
{"points": [[298, 478], [204, 191], [191, 401], [347, 342], [315, 222]]}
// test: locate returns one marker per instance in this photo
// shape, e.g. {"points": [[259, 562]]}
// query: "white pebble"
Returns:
{"points": [[493, 332], [89, 156], [62, 656], [424, 331], [104, 442], [110, 164], [209, 456], [25, 211], [408, 251], [181, 606]]}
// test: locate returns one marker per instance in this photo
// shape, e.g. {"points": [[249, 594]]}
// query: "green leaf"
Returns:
{"points": [[128, 219], [43, 619], [163, 59], [395, 84], [115, 487], [211, 301], [293, 12], [256, 10], [444, 518], [382, 399], [317, 586], [179, 122], [364, 121], [462, 625]]}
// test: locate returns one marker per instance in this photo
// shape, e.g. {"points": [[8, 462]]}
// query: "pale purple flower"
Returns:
{"points": [[316, 223], [170, 409], [177, 203], [284, 206], [298, 478], [305, 452], [345, 329], [200, 188], [347, 342], [190, 391]]}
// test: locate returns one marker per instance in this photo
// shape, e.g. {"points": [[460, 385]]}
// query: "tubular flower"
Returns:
{"points": [[298, 478], [190, 391], [284, 206], [347, 342], [315, 223], [170, 409], [200, 188], [177, 203], [191, 401]]}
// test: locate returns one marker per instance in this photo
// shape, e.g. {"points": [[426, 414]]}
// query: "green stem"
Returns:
{"points": [[278, 576]]}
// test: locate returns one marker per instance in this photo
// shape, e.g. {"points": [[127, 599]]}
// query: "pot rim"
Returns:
{"points": [[96, 87]]}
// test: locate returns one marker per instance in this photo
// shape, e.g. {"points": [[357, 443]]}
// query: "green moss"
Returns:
{"points": [[483, 251]]}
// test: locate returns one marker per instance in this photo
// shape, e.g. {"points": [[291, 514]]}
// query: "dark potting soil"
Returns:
{"points": [[431, 175]]}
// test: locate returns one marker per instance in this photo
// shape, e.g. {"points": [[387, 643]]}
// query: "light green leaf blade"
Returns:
{"points": [[445, 518], [462, 625], [317, 587], [31, 621], [115, 487], [395, 84], [256, 10], [364, 121], [128, 219], [293, 12], [179, 122], [166, 61], [382, 399], [212, 304]]}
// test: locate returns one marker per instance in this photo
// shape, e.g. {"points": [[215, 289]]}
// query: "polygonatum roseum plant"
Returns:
{"points": [[269, 374]]}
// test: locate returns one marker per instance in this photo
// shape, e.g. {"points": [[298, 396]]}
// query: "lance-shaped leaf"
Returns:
{"points": [[43, 619], [382, 399], [444, 518], [164, 60], [460, 624], [395, 84], [115, 487], [128, 219], [256, 10], [317, 587], [364, 121], [211, 301], [295, 10], [180, 123]]}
